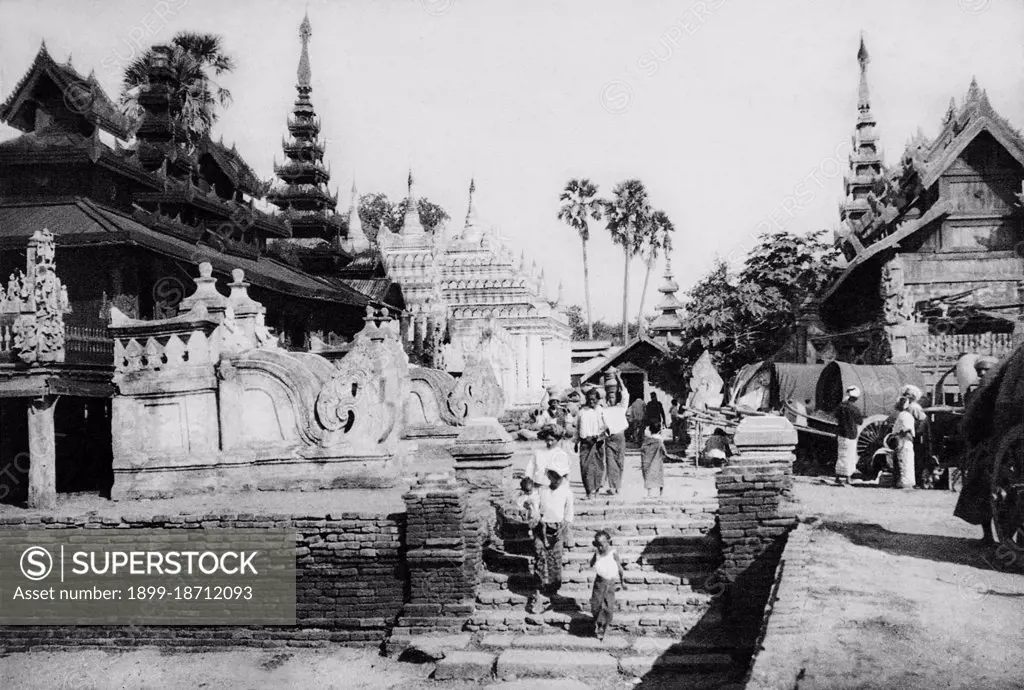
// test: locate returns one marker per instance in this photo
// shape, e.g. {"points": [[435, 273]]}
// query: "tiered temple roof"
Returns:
{"points": [[669, 324], [302, 193]]}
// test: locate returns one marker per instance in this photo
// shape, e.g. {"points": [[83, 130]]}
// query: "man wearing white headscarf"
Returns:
{"points": [[849, 418]]}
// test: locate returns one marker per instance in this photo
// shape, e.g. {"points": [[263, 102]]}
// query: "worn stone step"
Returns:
{"points": [[589, 510], [650, 556], [640, 666], [580, 623], [584, 539], [657, 525], [616, 644], [639, 599], [639, 578], [465, 666], [541, 663]]}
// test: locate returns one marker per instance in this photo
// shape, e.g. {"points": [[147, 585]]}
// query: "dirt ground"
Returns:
{"points": [[904, 595]]}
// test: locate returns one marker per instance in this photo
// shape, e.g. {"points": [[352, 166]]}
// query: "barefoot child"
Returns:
{"points": [[608, 569], [652, 459]]}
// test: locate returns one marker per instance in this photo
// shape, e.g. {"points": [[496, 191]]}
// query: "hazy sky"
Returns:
{"points": [[723, 108]]}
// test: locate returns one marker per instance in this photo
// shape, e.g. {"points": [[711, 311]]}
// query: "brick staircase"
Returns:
{"points": [[665, 621]]}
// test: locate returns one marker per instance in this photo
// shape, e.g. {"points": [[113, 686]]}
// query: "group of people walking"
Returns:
{"points": [[597, 431]]}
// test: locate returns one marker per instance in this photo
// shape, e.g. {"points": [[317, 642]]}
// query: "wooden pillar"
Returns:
{"points": [[42, 473]]}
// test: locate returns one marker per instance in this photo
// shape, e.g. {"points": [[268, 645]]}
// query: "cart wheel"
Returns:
{"points": [[1007, 494], [870, 439]]}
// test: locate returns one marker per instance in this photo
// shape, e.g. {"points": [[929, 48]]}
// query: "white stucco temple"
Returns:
{"points": [[468, 293]]}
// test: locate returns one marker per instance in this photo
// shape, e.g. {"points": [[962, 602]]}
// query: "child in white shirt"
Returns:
{"points": [[608, 572]]}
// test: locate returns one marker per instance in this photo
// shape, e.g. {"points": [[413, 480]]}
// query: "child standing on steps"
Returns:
{"points": [[608, 573]]}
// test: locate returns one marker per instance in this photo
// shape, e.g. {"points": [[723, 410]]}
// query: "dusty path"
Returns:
{"points": [[903, 596]]}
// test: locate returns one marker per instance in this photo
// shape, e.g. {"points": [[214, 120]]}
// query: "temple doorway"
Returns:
{"points": [[84, 451]]}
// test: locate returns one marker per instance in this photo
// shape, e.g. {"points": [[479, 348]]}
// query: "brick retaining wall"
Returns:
{"points": [[350, 585], [778, 661]]}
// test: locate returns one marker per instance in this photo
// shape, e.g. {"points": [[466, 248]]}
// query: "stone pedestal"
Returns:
{"points": [[483, 457], [42, 472], [754, 518]]}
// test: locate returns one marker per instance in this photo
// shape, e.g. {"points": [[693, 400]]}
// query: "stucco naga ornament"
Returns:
{"points": [[477, 392], [351, 408]]}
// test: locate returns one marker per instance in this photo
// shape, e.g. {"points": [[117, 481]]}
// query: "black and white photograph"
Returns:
{"points": [[458, 344]]}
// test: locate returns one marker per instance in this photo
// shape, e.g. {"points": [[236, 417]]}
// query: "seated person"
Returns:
{"points": [[716, 449]]}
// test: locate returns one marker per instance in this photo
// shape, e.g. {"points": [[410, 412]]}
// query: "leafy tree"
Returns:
{"points": [[431, 215], [376, 207], [627, 214], [579, 205], [658, 239], [194, 96], [601, 330], [372, 209], [749, 316]]}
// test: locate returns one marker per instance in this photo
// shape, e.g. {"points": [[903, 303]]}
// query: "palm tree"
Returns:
{"points": [[196, 96], [627, 214], [579, 205], [657, 239]]}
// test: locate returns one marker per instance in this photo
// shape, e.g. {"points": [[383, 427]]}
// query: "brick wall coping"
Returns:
{"points": [[238, 520], [265, 504]]}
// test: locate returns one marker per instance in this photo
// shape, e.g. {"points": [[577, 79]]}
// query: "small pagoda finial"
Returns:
{"points": [[471, 230], [305, 73], [863, 99], [412, 225]]}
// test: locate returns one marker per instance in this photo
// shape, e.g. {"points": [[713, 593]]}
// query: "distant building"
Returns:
{"points": [[932, 270]]}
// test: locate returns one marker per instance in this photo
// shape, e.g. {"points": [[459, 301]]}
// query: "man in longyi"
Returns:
{"points": [[849, 418], [590, 442]]}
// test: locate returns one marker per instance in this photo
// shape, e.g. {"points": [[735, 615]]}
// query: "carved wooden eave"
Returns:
{"points": [[983, 122], [89, 98], [938, 211]]}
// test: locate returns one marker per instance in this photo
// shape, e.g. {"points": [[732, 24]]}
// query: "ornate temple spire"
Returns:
{"points": [[357, 239], [305, 74], [302, 194], [471, 230], [412, 225], [865, 160], [863, 99], [669, 323]]}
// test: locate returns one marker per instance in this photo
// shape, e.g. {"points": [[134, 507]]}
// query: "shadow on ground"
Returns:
{"points": [[956, 550], [709, 638]]}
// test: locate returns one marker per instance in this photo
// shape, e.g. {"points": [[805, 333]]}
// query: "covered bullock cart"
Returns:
{"points": [[880, 386]]}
